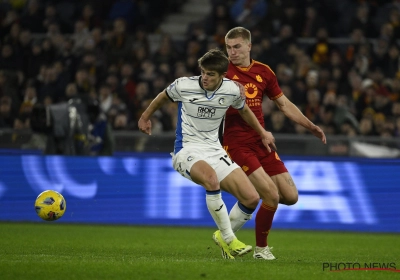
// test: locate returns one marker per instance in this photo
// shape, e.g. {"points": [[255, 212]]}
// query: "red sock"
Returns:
{"points": [[264, 218]]}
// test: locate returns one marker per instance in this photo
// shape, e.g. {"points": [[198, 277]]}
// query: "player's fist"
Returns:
{"points": [[268, 140], [318, 132], [144, 126]]}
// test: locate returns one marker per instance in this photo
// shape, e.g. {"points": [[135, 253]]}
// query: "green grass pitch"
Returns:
{"points": [[52, 250]]}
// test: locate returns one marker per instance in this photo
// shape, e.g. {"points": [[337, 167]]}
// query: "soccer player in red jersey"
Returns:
{"points": [[265, 170]]}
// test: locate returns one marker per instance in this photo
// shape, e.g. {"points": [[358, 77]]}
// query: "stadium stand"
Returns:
{"points": [[337, 60]]}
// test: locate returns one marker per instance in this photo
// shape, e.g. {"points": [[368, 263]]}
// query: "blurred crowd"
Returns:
{"points": [[338, 61]]}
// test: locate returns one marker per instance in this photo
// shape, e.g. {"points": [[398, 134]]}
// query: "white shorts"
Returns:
{"points": [[217, 159]]}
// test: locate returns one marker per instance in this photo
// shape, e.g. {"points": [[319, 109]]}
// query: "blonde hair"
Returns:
{"points": [[239, 32]]}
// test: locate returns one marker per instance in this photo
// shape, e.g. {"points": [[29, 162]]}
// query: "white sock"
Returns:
{"points": [[218, 211], [238, 217]]}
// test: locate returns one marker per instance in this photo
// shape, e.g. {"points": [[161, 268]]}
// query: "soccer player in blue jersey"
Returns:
{"points": [[198, 155]]}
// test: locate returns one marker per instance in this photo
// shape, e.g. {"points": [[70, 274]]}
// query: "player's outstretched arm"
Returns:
{"points": [[292, 112], [267, 138], [144, 121]]}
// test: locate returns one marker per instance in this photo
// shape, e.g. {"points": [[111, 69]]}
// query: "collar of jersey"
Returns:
{"points": [[206, 91], [245, 69]]}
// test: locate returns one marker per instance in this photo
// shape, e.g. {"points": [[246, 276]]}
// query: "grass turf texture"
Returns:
{"points": [[64, 251]]}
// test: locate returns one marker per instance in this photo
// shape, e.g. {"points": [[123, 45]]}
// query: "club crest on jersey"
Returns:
{"points": [[221, 101], [251, 90], [205, 112], [259, 79]]}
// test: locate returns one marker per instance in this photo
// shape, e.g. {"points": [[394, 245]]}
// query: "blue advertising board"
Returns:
{"points": [[143, 189]]}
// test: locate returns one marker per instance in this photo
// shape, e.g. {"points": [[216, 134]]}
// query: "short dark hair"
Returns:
{"points": [[214, 60], [239, 32]]}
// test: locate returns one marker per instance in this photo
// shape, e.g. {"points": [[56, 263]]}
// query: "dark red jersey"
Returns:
{"points": [[259, 81]]}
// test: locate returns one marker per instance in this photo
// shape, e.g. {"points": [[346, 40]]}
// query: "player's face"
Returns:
{"points": [[210, 80], [238, 51]]}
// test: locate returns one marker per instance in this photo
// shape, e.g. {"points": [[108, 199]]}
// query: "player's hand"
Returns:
{"points": [[317, 132], [144, 126], [268, 140], [242, 90]]}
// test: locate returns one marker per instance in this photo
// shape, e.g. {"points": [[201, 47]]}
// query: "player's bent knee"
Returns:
{"points": [[290, 200], [211, 183], [270, 195], [252, 201]]}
